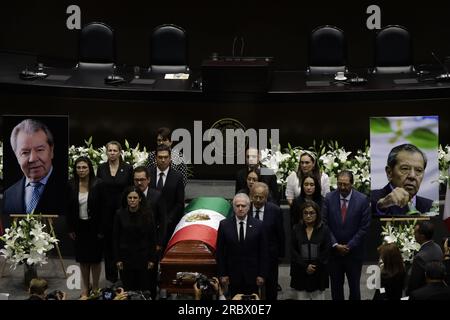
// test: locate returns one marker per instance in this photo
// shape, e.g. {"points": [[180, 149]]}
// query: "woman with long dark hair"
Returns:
{"points": [[310, 250], [307, 164], [135, 240], [392, 273], [85, 198], [310, 191]]}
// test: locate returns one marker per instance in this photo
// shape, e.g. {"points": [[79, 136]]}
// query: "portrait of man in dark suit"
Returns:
{"points": [[405, 170], [40, 188]]}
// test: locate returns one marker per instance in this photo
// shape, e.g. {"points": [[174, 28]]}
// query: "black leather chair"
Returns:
{"points": [[327, 51], [393, 51], [96, 46], [168, 50]]}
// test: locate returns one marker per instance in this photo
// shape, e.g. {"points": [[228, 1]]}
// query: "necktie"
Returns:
{"points": [[344, 209], [241, 232], [160, 184], [35, 195], [257, 214]]}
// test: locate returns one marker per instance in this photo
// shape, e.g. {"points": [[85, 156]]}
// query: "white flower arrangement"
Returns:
{"points": [[134, 156], [444, 163], [281, 163], [403, 236], [333, 160], [26, 242]]}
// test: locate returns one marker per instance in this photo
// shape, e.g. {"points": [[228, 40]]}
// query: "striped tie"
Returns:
{"points": [[31, 205]]}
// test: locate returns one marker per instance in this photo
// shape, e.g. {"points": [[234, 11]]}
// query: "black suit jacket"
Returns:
{"points": [[52, 201], [270, 180], [431, 291], [134, 241], [353, 231], [242, 262], [158, 205], [429, 251], [95, 200], [422, 204], [113, 188], [274, 228], [173, 195]]}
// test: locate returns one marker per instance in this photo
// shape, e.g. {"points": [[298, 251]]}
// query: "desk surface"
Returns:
{"points": [[285, 85]]}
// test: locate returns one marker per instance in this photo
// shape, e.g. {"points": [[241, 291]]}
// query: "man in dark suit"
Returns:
{"points": [[252, 161], [347, 213], [429, 251], [272, 218], [435, 288], [38, 190], [405, 171], [170, 183], [241, 251]]}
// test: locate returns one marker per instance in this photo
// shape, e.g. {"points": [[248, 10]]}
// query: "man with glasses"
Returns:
{"points": [[405, 171], [347, 213]]}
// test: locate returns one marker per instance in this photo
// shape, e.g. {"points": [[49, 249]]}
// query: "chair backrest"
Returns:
{"points": [[97, 44], [327, 50], [393, 50], [168, 49]]}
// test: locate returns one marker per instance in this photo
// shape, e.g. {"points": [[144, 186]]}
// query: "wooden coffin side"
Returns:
{"points": [[186, 256]]}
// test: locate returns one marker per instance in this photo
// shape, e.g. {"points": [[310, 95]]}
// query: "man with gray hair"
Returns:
{"points": [[405, 170], [241, 254], [37, 191]]}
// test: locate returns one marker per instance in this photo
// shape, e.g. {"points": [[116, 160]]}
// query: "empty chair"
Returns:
{"points": [[327, 51], [393, 51], [96, 46], [168, 50]]}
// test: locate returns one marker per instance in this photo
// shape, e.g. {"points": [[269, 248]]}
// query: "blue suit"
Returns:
{"points": [[351, 233], [242, 262], [274, 229]]}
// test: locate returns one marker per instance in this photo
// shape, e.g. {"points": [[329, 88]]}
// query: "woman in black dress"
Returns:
{"points": [[310, 191], [116, 176], [392, 277], [83, 217], [254, 175], [135, 241], [310, 250]]}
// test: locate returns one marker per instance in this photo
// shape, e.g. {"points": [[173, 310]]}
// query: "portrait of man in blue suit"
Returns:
{"points": [[41, 187]]}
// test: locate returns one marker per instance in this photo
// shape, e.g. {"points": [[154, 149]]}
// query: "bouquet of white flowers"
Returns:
{"points": [[403, 236], [444, 163], [334, 160], [26, 242], [134, 156], [95, 155], [281, 163]]}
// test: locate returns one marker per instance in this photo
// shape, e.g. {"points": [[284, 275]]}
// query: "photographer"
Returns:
{"points": [[208, 289], [38, 291]]}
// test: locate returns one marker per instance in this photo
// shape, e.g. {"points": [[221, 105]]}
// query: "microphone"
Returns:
{"points": [[444, 77]]}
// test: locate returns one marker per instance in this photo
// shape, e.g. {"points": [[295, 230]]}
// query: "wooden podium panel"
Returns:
{"points": [[186, 256]]}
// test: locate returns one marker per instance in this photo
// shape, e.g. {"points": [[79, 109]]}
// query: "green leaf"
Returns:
{"points": [[423, 138], [380, 125]]}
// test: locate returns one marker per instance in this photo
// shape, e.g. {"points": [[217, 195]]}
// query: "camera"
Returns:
{"points": [[203, 283], [55, 295]]}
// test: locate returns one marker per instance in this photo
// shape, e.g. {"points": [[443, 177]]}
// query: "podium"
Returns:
{"points": [[49, 218], [237, 74]]}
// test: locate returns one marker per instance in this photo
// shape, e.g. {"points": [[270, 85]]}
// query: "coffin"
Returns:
{"points": [[191, 249]]}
